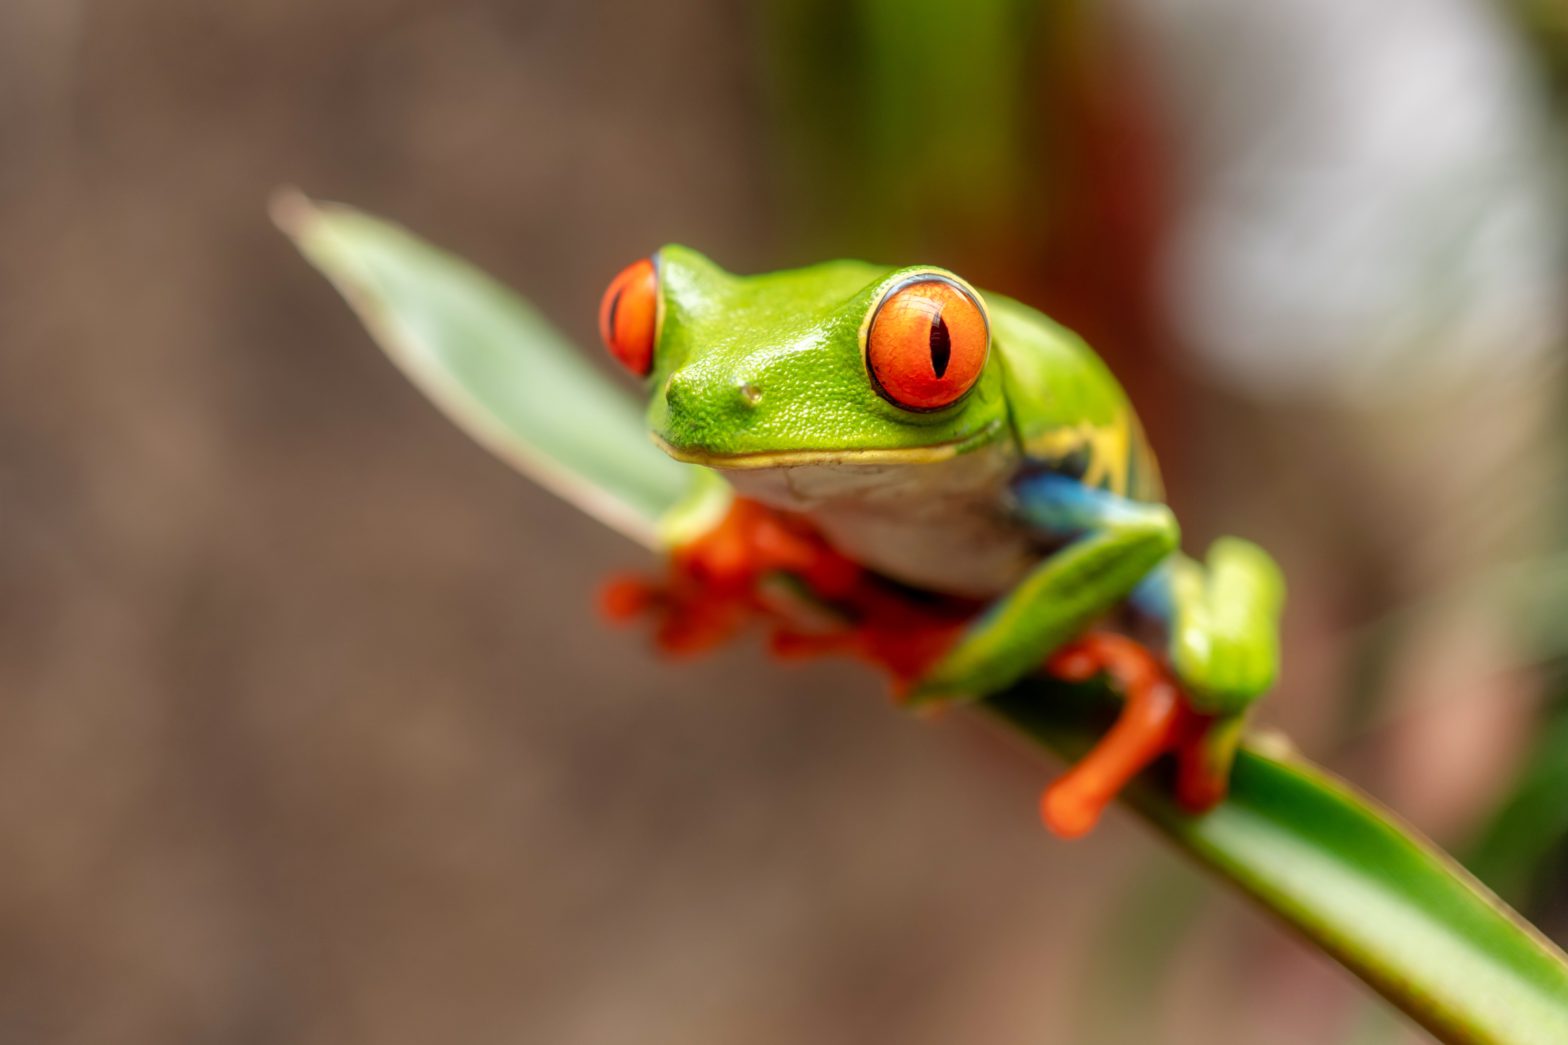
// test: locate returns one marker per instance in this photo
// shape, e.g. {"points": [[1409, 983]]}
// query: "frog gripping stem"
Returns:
{"points": [[713, 590], [1154, 720]]}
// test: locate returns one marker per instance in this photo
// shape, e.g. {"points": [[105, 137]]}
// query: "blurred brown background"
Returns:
{"points": [[308, 732]]}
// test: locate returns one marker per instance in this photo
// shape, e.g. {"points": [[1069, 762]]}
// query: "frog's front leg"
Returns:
{"points": [[1221, 619], [1112, 545]]}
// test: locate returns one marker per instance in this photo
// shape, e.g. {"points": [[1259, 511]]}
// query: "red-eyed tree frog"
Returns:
{"points": [[964, 485]]}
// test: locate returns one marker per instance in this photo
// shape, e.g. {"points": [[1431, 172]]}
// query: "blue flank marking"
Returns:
{"points": [[1063, 507]]}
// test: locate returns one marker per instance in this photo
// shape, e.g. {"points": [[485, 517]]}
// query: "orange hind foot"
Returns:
{"points": [[1155, 719]]}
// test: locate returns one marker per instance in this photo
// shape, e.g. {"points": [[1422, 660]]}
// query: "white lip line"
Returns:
{"points": [[788, 458]]}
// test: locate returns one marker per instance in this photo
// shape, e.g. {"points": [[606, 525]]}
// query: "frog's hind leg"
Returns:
{"points": [[1153, 720]]}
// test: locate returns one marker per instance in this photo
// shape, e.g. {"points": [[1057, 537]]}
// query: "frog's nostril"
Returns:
{"points": [[750, 394]]}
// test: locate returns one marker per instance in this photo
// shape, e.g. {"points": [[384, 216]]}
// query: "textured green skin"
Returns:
{"points": [[798, 336]]}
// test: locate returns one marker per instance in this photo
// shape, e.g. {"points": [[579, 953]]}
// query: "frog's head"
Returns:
{"points": [[843, 362]]}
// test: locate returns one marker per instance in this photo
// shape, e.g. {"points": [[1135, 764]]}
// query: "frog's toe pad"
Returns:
{"points": [[1070, 811], [1224, 672]]}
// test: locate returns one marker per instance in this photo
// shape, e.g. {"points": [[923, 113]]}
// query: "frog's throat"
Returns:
{"points": [[931, 454]]}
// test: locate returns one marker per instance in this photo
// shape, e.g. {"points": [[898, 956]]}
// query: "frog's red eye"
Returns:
{"points": [[627, 316], [927, 343]]}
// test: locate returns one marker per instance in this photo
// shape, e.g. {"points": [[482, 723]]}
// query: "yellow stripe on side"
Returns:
{"points": [[1107, 445], [1119, 458]]}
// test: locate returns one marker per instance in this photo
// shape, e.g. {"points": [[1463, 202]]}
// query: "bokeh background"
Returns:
{"points": [[308, 730]]}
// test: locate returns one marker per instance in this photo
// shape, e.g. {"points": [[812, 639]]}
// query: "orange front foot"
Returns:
{"points": [[1154, 720], [712, 587]]}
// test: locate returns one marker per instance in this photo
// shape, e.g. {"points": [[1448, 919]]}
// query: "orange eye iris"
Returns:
{"points": [[927, 344], [627, 316]]}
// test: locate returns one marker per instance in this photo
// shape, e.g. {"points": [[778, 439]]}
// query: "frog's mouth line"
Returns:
{"points": [[932, 454]]}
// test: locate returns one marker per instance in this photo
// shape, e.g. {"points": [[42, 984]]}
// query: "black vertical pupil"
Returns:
{"points": [[615, 310], [941, 346]]}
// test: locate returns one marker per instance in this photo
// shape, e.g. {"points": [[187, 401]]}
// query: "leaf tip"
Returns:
{"points": [[292, 211]]}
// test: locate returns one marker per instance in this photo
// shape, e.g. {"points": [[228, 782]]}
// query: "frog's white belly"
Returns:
{"points": [[943, 527]]}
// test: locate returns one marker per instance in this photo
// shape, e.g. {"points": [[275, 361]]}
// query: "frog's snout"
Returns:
{"points": [[685, 392], [712, 410]]}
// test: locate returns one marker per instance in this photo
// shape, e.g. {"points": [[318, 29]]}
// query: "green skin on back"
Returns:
{"points": [[1037, 489]]}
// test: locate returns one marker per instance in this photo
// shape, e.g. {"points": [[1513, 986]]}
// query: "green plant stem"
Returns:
{"points": [[1345, 875]]}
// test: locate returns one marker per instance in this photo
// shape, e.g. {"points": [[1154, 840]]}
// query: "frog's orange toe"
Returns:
{"points": [[1070, 811], [1204, 755], [1198, 787], [626, 597]]}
